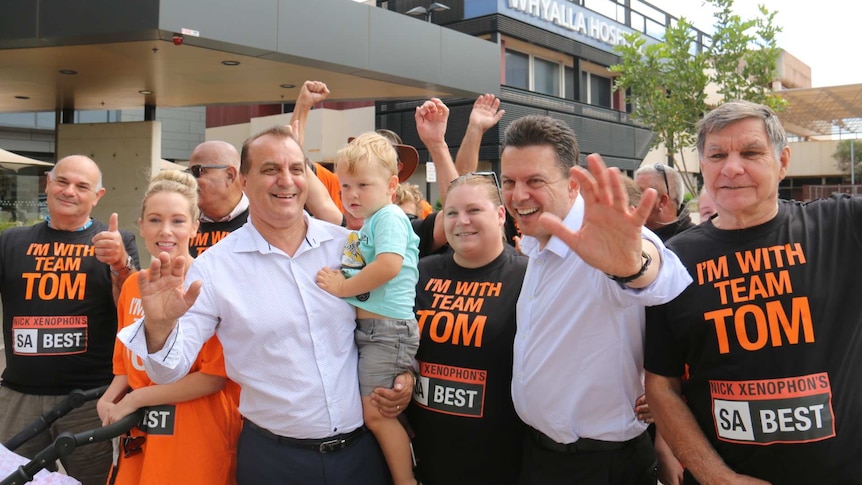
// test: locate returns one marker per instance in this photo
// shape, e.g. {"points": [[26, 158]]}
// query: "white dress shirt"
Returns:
{"points": [[288, 343], [241, 207], [578, 355]]}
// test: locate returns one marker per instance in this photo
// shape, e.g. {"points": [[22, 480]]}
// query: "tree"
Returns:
{"points": [[666, 81], [842, 157]]}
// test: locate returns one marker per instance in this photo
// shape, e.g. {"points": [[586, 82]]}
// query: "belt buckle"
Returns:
{"points": [[332, 445]]}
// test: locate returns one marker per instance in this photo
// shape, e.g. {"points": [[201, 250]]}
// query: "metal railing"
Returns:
{"points": [[812, 192]]}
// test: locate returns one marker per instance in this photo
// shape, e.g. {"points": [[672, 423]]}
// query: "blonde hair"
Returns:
{"points": [[405, 195], [483, 180], [360, 150], [178, 182]]}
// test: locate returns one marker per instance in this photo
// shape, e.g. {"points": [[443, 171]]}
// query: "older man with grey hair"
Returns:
{"points": [[669, 216], [768, 332], [59, 280]]}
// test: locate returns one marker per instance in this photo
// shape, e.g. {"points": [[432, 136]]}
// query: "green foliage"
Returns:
{"points": [[842, 157], [744, 55], [666, 84], [666, 81]]}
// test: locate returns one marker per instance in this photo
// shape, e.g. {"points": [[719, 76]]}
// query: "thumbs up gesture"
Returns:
{"points": [[109, 245]]}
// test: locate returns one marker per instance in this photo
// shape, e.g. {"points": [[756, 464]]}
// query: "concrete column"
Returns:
{"points": [[127, 153]]}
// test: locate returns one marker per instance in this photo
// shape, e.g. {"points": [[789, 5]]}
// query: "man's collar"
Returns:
{"points": [[85, 226], [239, 209]]}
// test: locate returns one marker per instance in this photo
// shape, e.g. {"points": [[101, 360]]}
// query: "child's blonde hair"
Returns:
{"points": [[362, 147]]}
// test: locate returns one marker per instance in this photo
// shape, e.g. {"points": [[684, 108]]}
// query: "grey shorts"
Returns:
{"points": [[386, 350]]}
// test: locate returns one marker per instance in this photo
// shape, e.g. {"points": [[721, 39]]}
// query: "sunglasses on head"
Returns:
{"points": [[492, 176], [198, 170], [660, 169]]}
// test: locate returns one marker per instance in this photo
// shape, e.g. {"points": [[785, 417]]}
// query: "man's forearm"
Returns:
{"points": [[443, 165], [680, 430], [157, 334], [467, 159]]}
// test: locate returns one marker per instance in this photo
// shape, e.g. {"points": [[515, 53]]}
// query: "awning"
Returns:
{"points": [[14, 162], [825, 111]]}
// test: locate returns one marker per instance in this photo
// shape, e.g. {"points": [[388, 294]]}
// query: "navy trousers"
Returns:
{"points": [[263, 460]]}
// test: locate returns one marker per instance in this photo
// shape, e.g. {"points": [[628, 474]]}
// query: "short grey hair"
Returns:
{"points": [[98, 186], [733, 111], [675, 184]]}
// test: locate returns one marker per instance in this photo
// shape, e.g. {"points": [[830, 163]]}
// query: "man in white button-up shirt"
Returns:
{"points": [[288, 343], [578, 355]]}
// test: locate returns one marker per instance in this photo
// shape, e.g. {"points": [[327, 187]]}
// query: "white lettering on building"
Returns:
{"points": [[568, 17]]}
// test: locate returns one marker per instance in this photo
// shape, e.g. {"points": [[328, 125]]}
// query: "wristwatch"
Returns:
{"points": [[127, 268], [647, 259]]}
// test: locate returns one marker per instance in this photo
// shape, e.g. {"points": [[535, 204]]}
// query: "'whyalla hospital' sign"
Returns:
{"points": [[571, 18]]}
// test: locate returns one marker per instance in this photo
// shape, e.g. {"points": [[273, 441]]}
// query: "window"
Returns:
{"points": [[517, 70], [599, 89], [546, 77], [570, 84]]}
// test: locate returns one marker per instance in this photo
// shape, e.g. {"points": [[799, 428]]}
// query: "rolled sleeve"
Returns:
{"points": [[164, 366], [671, 280]]}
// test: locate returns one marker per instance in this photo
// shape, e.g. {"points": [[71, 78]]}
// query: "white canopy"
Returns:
{"points": [[14, 162]]}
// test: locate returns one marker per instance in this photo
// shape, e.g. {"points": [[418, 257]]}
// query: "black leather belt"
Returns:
{"points": [[325, 445], [583, 445]]}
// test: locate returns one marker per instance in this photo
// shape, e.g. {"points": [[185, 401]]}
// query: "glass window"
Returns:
{"points": [[517, 70], [600, 91], [546, 77], [570, 83], [22, 195]]}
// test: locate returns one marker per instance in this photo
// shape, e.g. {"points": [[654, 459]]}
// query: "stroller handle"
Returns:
{"points": [[66, 444], [74, 400]]}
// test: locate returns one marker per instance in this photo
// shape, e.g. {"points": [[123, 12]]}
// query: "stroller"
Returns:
{"points": [[66, 442]]}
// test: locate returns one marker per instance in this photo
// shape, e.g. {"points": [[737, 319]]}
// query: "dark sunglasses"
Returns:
{"points": [[132, 445], [198, 170], [489, 175], [660, 169]]}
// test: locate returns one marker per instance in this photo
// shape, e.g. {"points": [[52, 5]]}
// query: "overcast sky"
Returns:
{"points": [[820, 33]]}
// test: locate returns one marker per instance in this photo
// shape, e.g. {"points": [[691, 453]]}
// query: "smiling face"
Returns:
{"points": [[473, 222], [72, 191], [534, 183], [167, 224], [275, 182], [366, 188], [742, 173]]}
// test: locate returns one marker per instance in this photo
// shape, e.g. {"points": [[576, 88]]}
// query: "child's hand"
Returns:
{"points": [[125, 407], [330, 281], [104, 407]]}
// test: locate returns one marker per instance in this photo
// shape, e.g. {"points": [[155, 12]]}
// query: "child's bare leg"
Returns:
{"points": [[394, 443]]}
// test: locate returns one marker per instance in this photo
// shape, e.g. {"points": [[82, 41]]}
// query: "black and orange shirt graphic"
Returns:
{"points": [[210, 233], [770, 331], [59, 316], [462, 411]]}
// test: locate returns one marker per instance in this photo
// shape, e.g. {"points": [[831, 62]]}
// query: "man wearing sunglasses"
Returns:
{"points": [[224, 207], [669, 216]]}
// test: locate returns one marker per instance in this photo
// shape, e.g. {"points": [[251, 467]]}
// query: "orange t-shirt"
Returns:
{"points": [[330, 181], [425, 208], [192, 442]]}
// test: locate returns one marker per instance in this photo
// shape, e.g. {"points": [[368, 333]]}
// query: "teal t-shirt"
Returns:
{"points": [[387, 231]]}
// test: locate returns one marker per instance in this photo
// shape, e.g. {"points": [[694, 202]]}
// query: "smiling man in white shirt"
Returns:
{"points": [[578, 354], [288, 343]]}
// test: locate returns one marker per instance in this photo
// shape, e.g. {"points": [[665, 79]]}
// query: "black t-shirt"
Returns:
{"points": [[210, 233], [466, 428], [59, 316], [770, 332]]}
